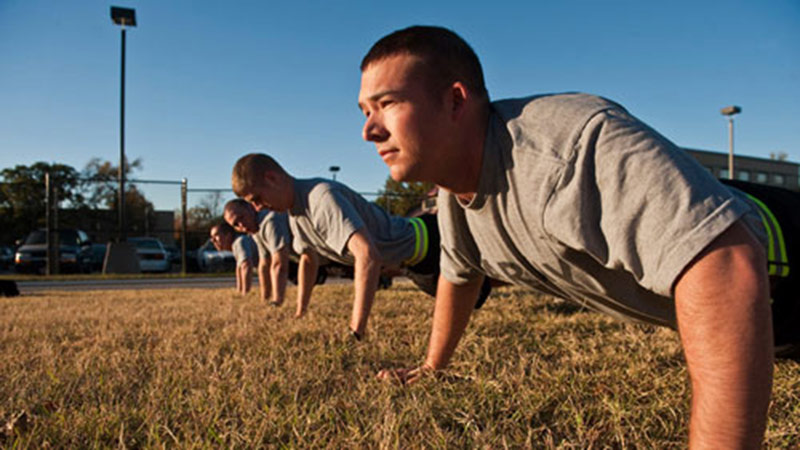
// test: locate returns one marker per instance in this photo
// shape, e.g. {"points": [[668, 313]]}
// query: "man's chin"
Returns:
{"points": [[401, 174]]}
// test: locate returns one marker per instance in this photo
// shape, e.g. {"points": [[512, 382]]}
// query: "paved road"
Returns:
{"points": [[142, 283]]}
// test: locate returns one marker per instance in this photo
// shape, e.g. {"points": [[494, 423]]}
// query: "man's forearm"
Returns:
{"points": [[366, 272], [279, 273], [238, 279], [451, 314], [306, 277], [263, 278], [247, 277], [725, 326], [365, 282]]}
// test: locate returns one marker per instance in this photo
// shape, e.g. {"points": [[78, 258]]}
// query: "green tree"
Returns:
{"points": [[23, 198], [101, 186], [402, 198], [101, 182]]}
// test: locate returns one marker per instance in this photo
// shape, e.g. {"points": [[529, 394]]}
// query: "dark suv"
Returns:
{"points": [[75, 252]]}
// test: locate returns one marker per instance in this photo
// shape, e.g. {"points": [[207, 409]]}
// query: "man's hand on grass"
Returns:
{"points": [[405, 376]]}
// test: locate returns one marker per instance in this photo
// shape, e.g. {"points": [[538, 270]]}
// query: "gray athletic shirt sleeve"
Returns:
{"points": [[273, 231], [579, 199], [245, 249], [327, 213]]}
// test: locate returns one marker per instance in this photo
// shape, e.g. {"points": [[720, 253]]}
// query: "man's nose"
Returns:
{"points": [[373, 129]]}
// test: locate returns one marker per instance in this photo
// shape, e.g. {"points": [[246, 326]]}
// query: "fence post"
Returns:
{"points": [[183, 226], [48, 214], [52, 259]]}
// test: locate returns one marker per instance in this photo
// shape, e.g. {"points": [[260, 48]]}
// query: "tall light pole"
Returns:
{"points": [[730, 111], [333, 170], [122, 17]]}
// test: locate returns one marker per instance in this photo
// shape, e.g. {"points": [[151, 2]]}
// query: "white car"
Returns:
{"points": [[209, 259], [152, 256]]}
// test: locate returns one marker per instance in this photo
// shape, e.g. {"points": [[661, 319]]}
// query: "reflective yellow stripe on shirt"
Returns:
{"points": [[776, 255], [420, 242]]}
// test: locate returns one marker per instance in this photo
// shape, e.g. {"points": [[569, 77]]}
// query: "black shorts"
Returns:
{"points": [[785, 290]]}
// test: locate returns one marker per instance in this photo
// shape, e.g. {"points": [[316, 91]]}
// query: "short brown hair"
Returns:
{"points": [[249, 170], [446, 57], [224, 228], [231, 205]]}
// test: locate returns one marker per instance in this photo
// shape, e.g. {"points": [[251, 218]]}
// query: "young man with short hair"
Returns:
{"points": [[245, 252], [270, 231], [572, 196], [271, 234], [332, 220]]}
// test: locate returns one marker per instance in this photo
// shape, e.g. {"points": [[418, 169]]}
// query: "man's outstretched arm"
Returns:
{"points": [[366, 272], [306, 277], [246, 275], [724, 320], [279, 273], [264, 285], [454, 306]]}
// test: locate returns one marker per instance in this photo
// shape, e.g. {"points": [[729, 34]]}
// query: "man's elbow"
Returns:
{"points": [[370, 260], [734, 266]]}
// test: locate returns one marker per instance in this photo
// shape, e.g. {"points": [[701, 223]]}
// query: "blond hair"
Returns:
{"points": [[249, 171]]}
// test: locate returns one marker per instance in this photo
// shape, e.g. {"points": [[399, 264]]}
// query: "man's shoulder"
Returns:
{"points": [[312, 189], [563, 107], [549, 124], [321, 193]]}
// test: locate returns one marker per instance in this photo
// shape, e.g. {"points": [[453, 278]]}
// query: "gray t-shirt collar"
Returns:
{"points": [[496, 136]]}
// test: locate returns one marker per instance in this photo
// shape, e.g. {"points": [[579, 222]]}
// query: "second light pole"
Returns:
{"points": [[730, 111]]}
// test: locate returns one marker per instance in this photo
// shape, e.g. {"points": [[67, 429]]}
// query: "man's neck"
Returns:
{"points": [[463, 176]]}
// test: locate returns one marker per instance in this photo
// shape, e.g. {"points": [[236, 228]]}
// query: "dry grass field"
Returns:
{"points": [[192, 368]]}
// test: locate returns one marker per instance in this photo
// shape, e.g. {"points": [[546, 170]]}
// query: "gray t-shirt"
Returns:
{"points": [[245, 249], [326, 213], [273, 232], [581, 200]]}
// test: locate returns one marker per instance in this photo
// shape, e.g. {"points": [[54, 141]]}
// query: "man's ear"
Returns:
{"points": [[458, 95]]}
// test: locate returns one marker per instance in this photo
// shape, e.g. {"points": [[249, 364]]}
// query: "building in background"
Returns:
{"points": [[774, 172]]}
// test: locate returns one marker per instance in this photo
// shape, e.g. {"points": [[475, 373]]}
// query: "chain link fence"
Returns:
{"points": [[182, 228]]}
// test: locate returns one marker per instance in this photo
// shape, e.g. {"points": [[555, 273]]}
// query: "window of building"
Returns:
{"points": [[778, 179], [743, 175], [761, 177], [723, 173]]}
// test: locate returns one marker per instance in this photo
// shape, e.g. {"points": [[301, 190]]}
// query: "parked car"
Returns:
{"points": [[209, 259], [152, 256], [75, 252]]}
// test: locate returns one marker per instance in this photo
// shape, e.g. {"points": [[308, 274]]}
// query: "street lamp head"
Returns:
{"points": [[334, 168], [730, 110], [125, 17]]}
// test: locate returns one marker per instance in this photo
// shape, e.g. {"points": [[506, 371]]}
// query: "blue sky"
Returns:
{"points": [[208, 81]]}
